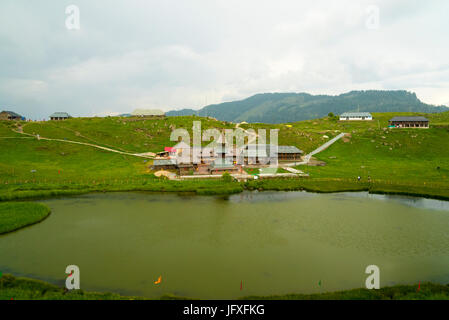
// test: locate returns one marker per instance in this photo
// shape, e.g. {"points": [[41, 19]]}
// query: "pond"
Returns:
{"points": [[254, 243]]}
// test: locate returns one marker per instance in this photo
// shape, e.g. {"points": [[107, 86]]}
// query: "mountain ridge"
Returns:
{"points": [[291, 107]]}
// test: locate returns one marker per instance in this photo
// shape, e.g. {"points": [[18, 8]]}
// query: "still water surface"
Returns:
{"points": [[203, 247]]}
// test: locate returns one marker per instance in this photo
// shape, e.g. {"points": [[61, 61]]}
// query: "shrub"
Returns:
{"points": [[226, 177]]}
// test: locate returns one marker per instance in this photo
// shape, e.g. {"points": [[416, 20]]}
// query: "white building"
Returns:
{"points": [[148, 113], [348, 116]]}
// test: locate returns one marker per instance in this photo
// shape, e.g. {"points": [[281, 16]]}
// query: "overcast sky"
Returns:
{"points": [[173, 54]]}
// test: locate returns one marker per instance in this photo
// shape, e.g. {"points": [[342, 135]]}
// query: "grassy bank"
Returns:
{"points": [[427, 291], [28, 289], [126, 134], [400, 161], [16, 215], [220, 187], [331, 185], [150, 184]]}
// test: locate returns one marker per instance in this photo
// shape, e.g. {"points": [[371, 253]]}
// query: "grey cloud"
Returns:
{"points": [[176, 54]]}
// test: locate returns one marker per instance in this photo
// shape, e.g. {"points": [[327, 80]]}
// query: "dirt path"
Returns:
{"points": [[140, 155], [250, 139], [323, 147]]}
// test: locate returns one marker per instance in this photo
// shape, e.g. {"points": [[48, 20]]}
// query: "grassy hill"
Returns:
{"points": [[16, 215], [400, 159], [403, 161], [136, 135], [39, 168], [291, 107], [412, 161], [28, 289], [42, 168], [33, 160], [309, 134], [406, 161]]}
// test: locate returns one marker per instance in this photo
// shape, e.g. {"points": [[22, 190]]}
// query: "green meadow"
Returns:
{"points": [[423, 291], [407, 157], [308, 135], [40, 169], [391, 160], [405, 161], [16, 215], [402, 161], [13, 288], [136, 135], [396, 161]]}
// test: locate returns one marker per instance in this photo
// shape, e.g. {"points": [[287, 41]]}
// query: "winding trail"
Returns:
{"points": [[323, 147], [147, 155], [253, 135], [150, 155]]}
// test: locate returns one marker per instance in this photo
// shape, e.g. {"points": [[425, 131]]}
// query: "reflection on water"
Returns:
{"points": [[276, 242], [265, 196], [407, 200]]}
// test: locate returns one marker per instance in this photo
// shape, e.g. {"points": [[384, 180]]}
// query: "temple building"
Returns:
{"points": [[409, 122]]}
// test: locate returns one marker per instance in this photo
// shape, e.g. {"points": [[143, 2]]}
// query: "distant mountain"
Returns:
{"points": [[291, 107], [182, 112]]}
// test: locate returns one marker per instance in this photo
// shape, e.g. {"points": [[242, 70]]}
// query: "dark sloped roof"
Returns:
{"points": [[288, 149], [409, 119], [222, 164], [13, 114], [60, 115], [356, 114], [265, 149], [164, 162]]}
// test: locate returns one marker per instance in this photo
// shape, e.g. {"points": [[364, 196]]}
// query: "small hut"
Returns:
{"points": [[164, 164], [147, 113], [10, 115], [409, 122], [57, 116], [356, 116]]}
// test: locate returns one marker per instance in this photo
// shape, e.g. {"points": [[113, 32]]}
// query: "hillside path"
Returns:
{"points": [[251, 137], [292, 170], [140, 155], [323, 147]]}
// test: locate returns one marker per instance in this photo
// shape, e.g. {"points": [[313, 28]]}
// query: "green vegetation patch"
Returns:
{"points": [[7, 129], [253, 171], [402, 161], [135, 134], [16, 215], [43, 162], [29, 289], [426, 291], [408, 157]]}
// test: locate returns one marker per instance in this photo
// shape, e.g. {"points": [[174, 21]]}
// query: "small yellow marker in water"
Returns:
{"points": [[159, 280]]}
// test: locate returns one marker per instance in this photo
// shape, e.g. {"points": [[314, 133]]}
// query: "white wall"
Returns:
{"points": [[357, 119]]}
